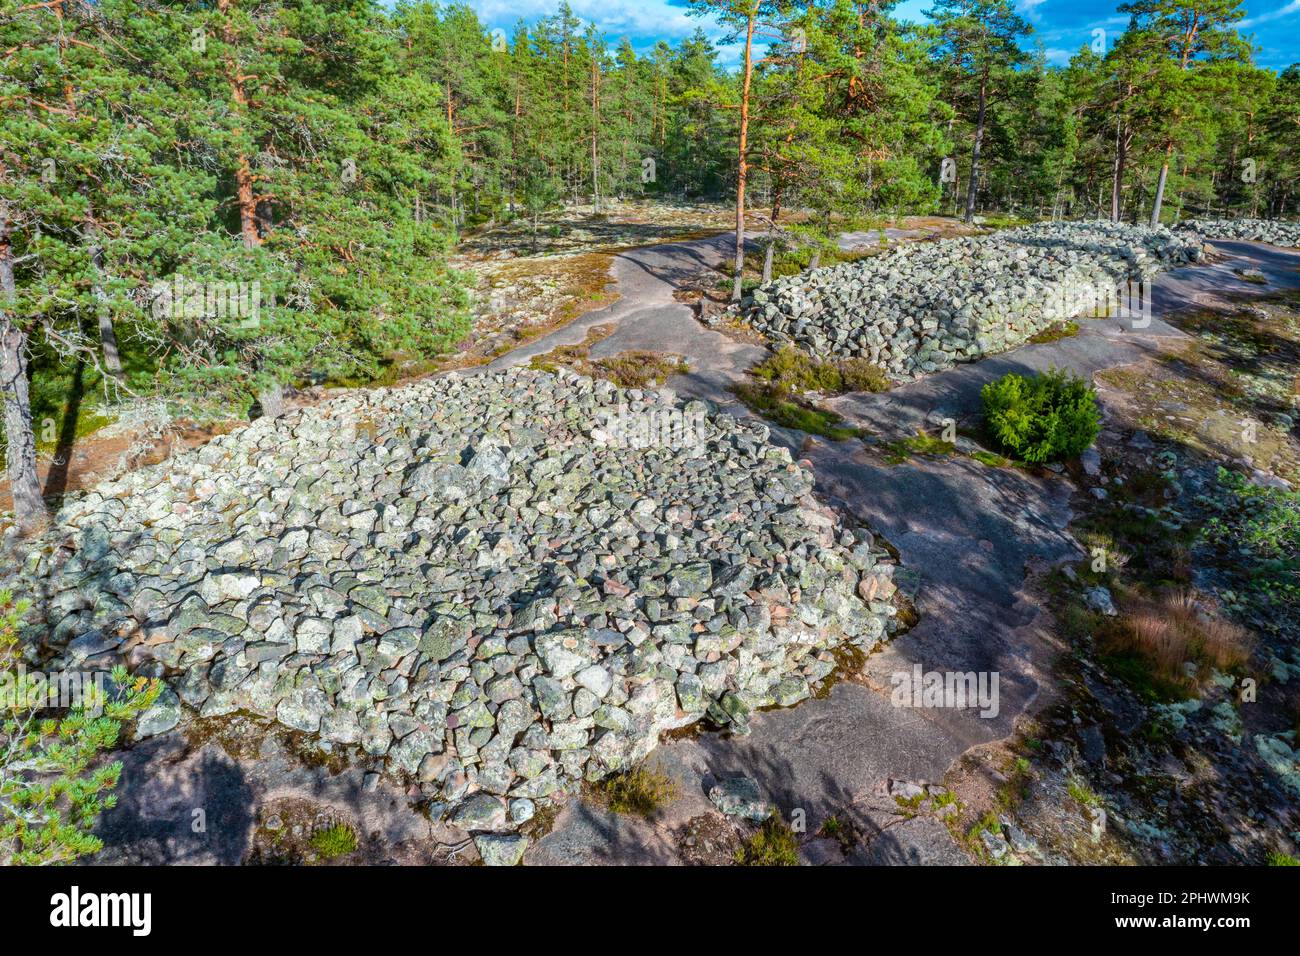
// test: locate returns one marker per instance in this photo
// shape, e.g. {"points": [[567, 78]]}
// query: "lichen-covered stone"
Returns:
{"points": [[462, 581]]}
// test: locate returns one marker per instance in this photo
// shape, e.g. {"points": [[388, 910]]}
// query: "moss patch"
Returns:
{"points": [[897, 452]]}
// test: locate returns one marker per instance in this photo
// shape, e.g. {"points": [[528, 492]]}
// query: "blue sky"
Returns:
{"points": [[1060, 26]]}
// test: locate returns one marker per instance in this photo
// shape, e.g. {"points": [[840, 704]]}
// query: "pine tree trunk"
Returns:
{"points": [[1117, 182], [595, 128], [245, 197], [742, 167], [24, 484], [971, 188], [107, 335], [1160, 188], [20, 454]]}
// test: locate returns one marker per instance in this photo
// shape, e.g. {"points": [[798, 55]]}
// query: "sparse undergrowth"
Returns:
{"points": [[1054, 333], [772, 844], [897, 452], [789, 380], [786, 410], [637, 368], [334, 841], [794, 370], [640, 791]]}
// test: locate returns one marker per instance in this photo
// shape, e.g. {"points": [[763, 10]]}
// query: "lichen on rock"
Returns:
{"points": [[463, 583]]}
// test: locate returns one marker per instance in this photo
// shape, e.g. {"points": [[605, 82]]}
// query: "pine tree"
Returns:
{"points": [[978, 44]]}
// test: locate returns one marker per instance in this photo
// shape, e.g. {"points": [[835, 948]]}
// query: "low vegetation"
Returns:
{"points": [[789, 380], [786, 410], [1178, 636], [1054, 333], [1042, 418], [334, 841], [897, 452], [793, 370], [640, 791], [773, 844], [637, 368]]}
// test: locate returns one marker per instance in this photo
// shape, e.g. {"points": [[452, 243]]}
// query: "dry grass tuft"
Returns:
{"points": [[1178, 628]]}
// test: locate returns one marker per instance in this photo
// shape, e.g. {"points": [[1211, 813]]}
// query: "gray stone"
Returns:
{"points": [[500, 849], [740, 797]]}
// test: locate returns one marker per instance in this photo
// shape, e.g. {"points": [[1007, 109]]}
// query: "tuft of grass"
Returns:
{"points": [[842, 832], [639, 791], [779, 406], [1174, 630], [774, 844], [1082, 794], [1278, 858], [334, 841]]}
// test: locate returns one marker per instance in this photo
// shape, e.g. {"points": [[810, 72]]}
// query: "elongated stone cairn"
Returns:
{"points": [[1275, 232], [922, 307]]}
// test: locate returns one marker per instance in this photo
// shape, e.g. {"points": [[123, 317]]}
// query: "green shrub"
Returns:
{"points": [[863, 375], [334, 841], [1044, 418]]}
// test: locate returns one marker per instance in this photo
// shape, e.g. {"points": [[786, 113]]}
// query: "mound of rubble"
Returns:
{"points": [[923, 306], [495, 586], [1276, 232]]}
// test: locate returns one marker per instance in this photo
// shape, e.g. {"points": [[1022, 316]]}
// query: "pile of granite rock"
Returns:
{"points": [[493, 586], [922, 307], [1276, 232]]}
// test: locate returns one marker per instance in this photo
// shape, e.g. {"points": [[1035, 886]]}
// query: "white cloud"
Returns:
{"points": [[613, 17], [1289, 9]]}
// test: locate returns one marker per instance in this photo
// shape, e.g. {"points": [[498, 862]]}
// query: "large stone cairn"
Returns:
{"points": [[465, 583], [922, 307], [1276, 232]]}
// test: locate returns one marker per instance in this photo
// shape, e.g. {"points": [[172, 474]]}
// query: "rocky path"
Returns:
{"points": [[969, 532]]}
